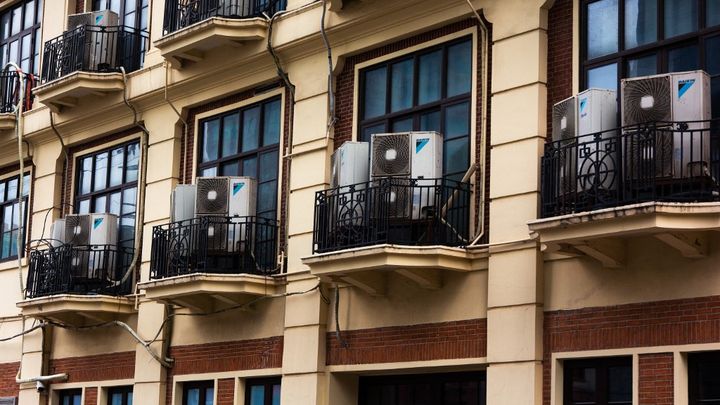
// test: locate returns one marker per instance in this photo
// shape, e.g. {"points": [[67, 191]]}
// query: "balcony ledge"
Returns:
{"points": [[190, 44], [7, 123], [66, 91], [203, 292], [600, 234], [77, 310], [367, 268]]}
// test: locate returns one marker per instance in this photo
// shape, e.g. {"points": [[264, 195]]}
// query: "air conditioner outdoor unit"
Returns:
{"points": [[405, 156], [100, 48], [57, 233], [673, 152], [597, 114], [91, 232], [183, 202], [350, 164], [228, 200]]}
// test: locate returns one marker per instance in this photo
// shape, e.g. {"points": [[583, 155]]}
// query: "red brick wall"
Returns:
{"points": [[8, 387], [226, 391], [91, 396], [448, 340], [676, 322], [80, 6], [112, 366], [224, 356], [560, 61], [656, 379]]}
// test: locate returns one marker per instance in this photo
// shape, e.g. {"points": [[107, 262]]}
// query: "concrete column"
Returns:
{"points": [[515, 283], [33, 364]]}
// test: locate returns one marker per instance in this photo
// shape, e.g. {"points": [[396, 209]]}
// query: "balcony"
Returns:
{"points": [[192, 27], [660, 180], [86, 61], [9, 99], [210, 263], [414, 228], [77, 284]]}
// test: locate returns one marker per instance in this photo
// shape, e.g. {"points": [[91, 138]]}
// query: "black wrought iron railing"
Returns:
{"points": [[91, 48], [84, 270], [394, 211], [184, 13], [670, 162], [218, 245], [10, 89]]}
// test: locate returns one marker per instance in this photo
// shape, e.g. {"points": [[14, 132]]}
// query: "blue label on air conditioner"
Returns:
{"points": [[684, 86], [98, 18], [420, 143], [97, 222], [237, 187], [583, 104]]}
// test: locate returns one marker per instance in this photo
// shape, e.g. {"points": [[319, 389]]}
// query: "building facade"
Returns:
{"points": [[526, 270]]}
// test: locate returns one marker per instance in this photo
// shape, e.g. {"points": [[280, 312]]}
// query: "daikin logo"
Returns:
{"points": [[97, 222], [420, 143], [237, 187], [583, 105], [684, 86], [98, 18]]}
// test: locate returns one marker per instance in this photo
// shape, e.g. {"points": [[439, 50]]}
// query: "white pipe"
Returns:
{"points": [[483, 118], [43, 378]]}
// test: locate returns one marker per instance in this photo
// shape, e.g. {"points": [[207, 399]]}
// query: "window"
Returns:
{"points": [[70, 397], [245, 142], [20, 35], [12, 214], [425, 91], [598, 381], [107, 183], [630, 38], [198, 393], [131, 13], [704, 378], [262, 392], [120, 395], [435, 389]]}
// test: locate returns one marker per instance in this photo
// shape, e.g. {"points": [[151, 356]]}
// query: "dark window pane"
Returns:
{"points": [[451, 394], [29, 14], [267, 197], [231, 134], [430, 121], [129, 200], [375, 92], [643, 66], [210, 140], [620, 384], [457, 155], [26, 185], [100, 204], [116, 399], [271, 123], [86, 176], [369, 131], [193, 396], [5, 25], [230, 169], [115, 203], [257, 395], [83, 207], [429, 80], [680, 17], [640, 22], [712, 55], [457, 120], [603, 77], [2, 191], [16, 20], [250, 167], [209, 172], [584, 385], [101, 169], [459, 67], [276, 394], [708, 384], [116, 166], [251, 129], [209, 393], [402, 125], [7, 218], [402, 85], [712, 16], [133, 157], [602, 28], [12, 187], [682, 59], [268, 166]]}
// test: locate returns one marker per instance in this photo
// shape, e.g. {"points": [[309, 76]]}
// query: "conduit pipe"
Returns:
{"points": [[43, 378], [185, 125]]}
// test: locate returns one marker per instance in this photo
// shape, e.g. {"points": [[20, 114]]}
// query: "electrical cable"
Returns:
{"points": [[185, 126], [342, 342], [332, 119]]}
